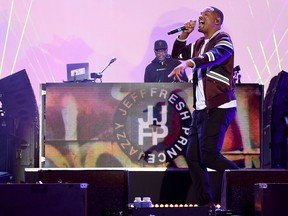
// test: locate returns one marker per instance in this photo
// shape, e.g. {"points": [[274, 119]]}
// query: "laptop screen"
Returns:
{"points": [[77, 72]]}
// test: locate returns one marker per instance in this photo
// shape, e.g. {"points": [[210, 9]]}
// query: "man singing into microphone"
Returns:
{"points": [[211, 58], [162, 65]]}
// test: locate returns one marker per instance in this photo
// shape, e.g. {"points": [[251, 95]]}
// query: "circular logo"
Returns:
{"points": [[152, 125]]}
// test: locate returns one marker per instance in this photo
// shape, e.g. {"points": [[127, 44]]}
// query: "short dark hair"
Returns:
{"points": [[219, 13]]}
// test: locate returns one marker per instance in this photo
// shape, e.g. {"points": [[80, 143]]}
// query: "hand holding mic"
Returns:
{"points": [[188, 26]]}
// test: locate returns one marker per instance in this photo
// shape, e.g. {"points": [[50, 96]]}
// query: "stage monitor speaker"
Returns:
{"points": [[270, 199], [274, 152], [171, 186], [107, 190], [43, 199], [172, 211], [238, 187]]}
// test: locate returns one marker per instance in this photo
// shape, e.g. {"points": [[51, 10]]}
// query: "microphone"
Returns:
{"points": [[99, 74], [112, 60], [181, 28]]}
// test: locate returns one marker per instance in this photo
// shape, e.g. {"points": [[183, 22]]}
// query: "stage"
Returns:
{"points": [[112, 190]]}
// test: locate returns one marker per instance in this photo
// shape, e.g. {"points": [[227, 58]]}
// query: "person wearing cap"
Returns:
{"points": [[211, 58], [161, 66]]}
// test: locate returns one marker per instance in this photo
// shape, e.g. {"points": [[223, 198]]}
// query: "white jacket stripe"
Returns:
{"points": [[219, 77], [225, 43]]}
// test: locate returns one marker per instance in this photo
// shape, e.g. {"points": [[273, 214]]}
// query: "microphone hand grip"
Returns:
{"points": [[179, 29]]}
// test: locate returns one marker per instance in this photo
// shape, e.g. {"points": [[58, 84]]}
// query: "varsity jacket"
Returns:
{"points": [[158, 71], [216, 64]]}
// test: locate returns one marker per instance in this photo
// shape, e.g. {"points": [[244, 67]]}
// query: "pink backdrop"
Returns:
{"points": [[42, 36]]}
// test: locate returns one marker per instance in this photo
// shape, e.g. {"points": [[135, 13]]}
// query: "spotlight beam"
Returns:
{"points": [[21, 38], [6, 37]]}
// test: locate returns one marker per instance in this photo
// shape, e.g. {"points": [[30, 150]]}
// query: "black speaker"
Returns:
{"points": [[269, 199], [107, 190], [43, 199], [274, 152], [238, 187], [172, 211], [20, 119], [172, 186]]}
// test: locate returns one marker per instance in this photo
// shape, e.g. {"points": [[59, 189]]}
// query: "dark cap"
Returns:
{"points": [[160, 44]]}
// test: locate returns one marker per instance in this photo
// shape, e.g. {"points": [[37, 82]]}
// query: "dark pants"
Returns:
{"points": [[206, 137]]}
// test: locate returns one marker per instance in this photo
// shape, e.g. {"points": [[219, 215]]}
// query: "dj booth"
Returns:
{"points": [[124, 125]]}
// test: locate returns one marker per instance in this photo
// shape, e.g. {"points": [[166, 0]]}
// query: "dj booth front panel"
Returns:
{"points": [[128, 125]]}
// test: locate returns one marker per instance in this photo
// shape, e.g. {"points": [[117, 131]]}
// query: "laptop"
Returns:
{"points": [[77, 72]]}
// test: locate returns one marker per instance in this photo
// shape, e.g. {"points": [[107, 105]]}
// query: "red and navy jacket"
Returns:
{"points": [[216, 64]]}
